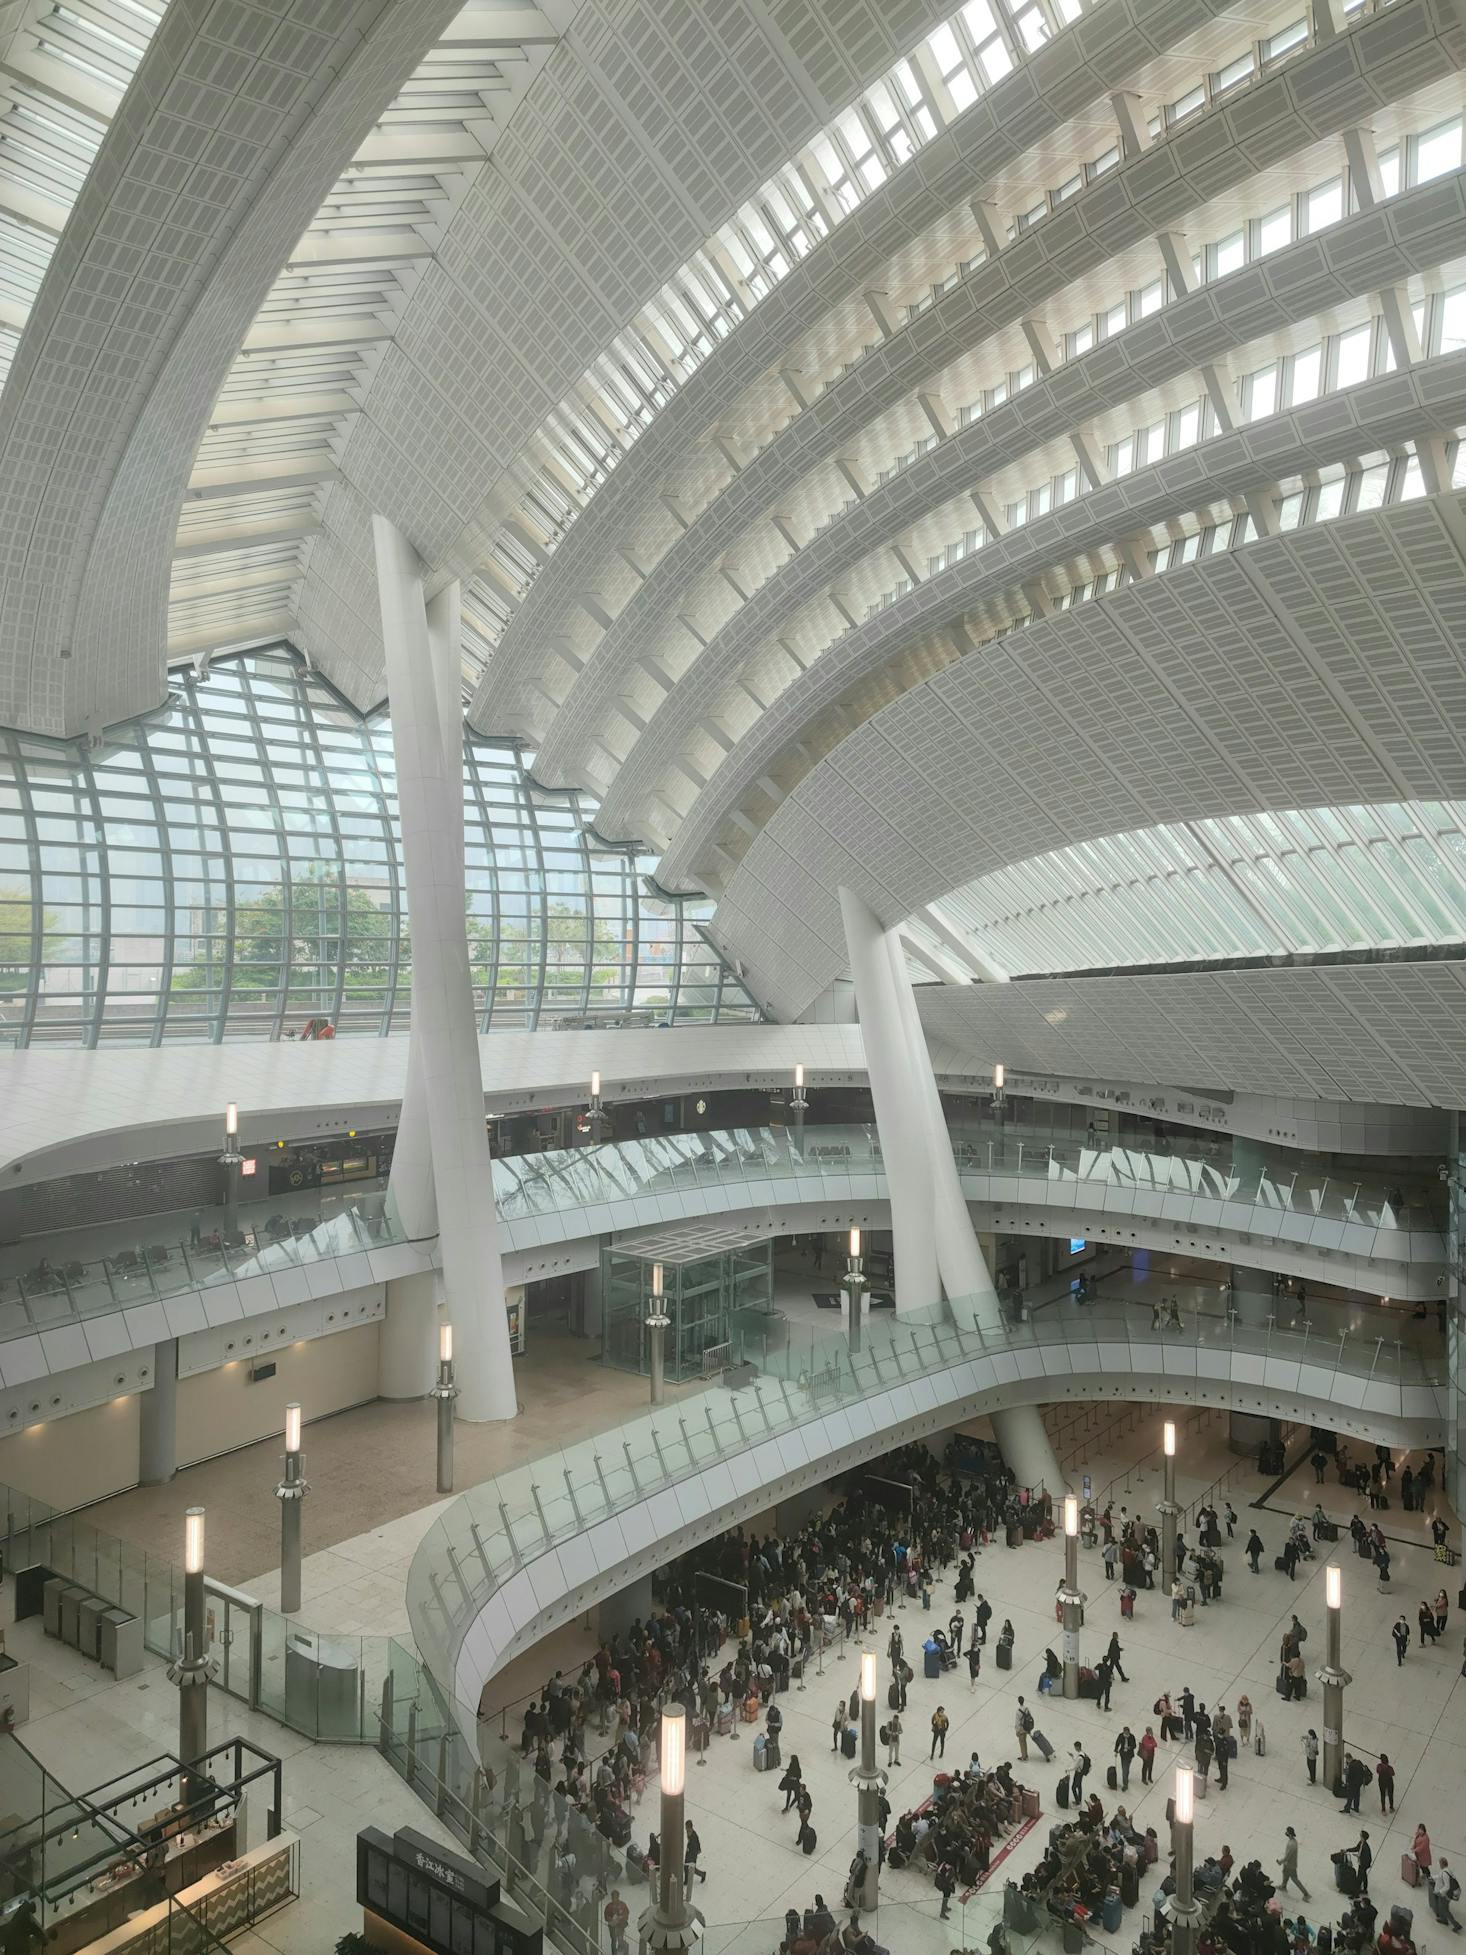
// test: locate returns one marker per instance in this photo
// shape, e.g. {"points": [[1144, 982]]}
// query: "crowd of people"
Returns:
{"points": [[738, 1621]]}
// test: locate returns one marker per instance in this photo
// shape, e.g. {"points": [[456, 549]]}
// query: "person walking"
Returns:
{"points": [[1125, 1749], [617, 1917], [691, 1854], [837, 1725], [1112, 1656], [893, 1739], [940, 1722], [1254, 1550], [1022, 1725], [1147, 1755], [974, 1663], [1204, 1751], [1079, 1766], [1103, 1681], [1401, 1634], [1110, 1555], [793, 1780], [1310, 1754], [1445, 1888], [1289, 1864]]}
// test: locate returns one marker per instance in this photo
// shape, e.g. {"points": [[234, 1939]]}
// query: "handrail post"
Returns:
{"points": [[630, 1465], [508, 1530]]}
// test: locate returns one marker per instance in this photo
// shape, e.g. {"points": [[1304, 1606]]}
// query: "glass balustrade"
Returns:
{"points": [[48, 1281]]}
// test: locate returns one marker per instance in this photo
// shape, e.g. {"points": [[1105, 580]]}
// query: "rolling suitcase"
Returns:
{"points": [[847, 1741], [1062, 1794], [1005, 1656], [771, 1754], [1409, 1870], [1112, 1912], [1112, 1779], [760, 1753], [1045, 1749]]}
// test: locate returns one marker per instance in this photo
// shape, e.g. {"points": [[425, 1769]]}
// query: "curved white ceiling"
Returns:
{"points": [[1318, 668], [232, 128]]}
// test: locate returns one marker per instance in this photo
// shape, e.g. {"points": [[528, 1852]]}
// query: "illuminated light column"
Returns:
{"points": [[231, 1160], [291, 1494], [868, 1779], [799, 1106], [669, 1923], [854, 1292], [656, 1325], [1169, 1512], [1184, 1912], [595, 1109], [445, 1392], [422, 644], [1000, 1102], [190, 1669], [1071, 1599], [1333, 1676]]}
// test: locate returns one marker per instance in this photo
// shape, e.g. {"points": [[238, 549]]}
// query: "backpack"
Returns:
{"points": [[1455, 1888], [1027, 1719], [884, 1734], [1368, 1776]]}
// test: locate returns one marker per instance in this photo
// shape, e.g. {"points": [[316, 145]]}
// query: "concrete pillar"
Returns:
{"points": [[157, 1429], [419, 645], [896, 1044], [897, 1106], [407, 1362]]}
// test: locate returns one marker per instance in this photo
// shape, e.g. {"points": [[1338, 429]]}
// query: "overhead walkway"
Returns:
{"points": [[82, 1295], [520, 1555]]}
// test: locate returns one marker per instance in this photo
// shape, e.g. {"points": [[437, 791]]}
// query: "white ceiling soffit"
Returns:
{"points": [[1115, 214], [636, 586], [1369, 1032], [1319, 668], [235, 124], [285, 413], [902, 642]]}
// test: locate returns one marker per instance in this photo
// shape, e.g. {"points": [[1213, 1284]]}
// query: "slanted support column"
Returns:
{"points": [[422, 653], [963, 1268], [897, 1105]]}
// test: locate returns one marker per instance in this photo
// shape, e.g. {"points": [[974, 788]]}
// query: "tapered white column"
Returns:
{"points": [[419, 646], [899, 1113], [926, 1190]]}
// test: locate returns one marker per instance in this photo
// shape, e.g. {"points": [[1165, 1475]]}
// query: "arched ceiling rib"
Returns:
{"points": [[1322, 667], [657, 621], [1123, 524], [234, 126]]}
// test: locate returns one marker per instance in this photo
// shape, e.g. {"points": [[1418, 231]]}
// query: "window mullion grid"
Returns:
{"points": [[1379, 866]]}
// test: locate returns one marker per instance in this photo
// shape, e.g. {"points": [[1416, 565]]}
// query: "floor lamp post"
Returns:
{"points": [[1071, 1599], [669, 1923], [1185, 1914], [868, 1778], [799, 1106], [190, 1671], [1170, 1513], [1333, 1676], [444, 1392], [656, 1325], [291, 1494], [855, 1280]]}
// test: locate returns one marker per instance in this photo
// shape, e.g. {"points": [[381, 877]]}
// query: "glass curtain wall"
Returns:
{"points": [[230, 867]]}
